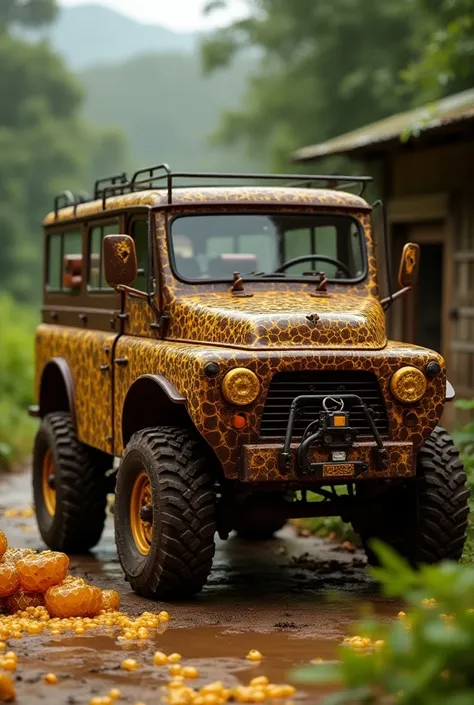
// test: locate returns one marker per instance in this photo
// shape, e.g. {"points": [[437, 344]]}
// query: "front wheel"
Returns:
{"points": [[425, 519], [165, 513]]}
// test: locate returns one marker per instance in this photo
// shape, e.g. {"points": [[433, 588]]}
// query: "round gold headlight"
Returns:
{"points": [[408, 385], [240, 386]]}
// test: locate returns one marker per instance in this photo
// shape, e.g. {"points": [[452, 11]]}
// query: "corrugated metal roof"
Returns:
{"points": [[403, 126]]}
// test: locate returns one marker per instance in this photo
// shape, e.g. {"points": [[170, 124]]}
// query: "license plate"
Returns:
{"points": [[342, 470]]}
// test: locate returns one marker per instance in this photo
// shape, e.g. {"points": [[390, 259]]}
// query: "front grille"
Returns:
{"points": [[285, 386]]}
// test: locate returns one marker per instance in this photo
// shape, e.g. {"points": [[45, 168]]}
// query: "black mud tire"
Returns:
{"points": [[426, 518], [80, 483], [183, 522]]}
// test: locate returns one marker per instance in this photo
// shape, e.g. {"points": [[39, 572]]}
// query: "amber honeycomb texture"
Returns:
{"points": [[7, 688], [9, 580], [42, 571], [13, 555], [3, 544], [21, 600], [110, 600], [73, 599]]}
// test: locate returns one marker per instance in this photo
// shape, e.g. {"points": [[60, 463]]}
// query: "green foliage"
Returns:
{"points": [[173, 121], [16, 379], [325, 67], [26, 13], [446, 38], [45, 147], [464, 438], [428, 657]]}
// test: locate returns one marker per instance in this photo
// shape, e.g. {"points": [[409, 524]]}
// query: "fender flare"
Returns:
{"points": [[56, 392], [151, 400]]}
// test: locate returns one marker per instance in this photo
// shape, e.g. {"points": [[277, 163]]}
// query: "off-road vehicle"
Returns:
{"points": [[228, 344]]}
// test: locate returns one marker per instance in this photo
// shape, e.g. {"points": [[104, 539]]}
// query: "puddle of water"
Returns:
{"points": [[90, 665]]}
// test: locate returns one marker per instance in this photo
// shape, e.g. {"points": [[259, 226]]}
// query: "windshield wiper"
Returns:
{"points": [[266, 275]]}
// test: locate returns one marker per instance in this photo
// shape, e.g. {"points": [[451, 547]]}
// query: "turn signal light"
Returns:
{"points": [[239, 421], [240, 386], [408, 385]]}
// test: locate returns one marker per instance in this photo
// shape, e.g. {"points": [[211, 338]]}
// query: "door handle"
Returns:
{"points": [[104, 368], [122, 361]]}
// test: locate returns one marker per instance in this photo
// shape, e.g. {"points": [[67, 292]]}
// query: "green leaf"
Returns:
{"points": [[317, 674]]}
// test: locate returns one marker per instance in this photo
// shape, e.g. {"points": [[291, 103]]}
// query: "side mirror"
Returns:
{"points": [[119, 260], [409, 265]]}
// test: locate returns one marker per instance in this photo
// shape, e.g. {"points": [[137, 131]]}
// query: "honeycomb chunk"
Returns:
{"points": [[110, 600], [9, 580], [73, 598], [13, 555], [3, 544], [42, 571], [21, 600]]}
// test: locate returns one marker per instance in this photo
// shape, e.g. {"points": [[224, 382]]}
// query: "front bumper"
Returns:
{"points": [[328, 452], [260, 463]]}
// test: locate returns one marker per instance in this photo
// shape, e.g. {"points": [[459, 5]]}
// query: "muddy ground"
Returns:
{"points": [[292, 598]]}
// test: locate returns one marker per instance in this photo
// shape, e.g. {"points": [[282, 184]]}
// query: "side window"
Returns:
{"points": [[140, 236], [96, 270], [65, 261]]}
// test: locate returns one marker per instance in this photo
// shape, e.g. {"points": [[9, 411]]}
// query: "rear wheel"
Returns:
{"points": [[165, 513], [425, 519], [69, 486]]}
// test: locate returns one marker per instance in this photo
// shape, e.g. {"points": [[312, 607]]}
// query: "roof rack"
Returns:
{"points": [[102, 184], [145, 179]]}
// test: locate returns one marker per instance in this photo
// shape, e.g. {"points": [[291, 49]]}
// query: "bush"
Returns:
{"points": [[17, 326], [426, 658]]}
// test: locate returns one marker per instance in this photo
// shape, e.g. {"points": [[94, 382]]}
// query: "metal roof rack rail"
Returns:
{"points": [[163, 171], [114, 180]]}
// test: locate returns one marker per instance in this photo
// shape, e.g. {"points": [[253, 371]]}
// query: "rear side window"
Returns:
{"points": [[65, 262], [97, 280]]}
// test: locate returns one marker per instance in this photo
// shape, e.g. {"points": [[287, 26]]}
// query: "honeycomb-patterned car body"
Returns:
{"points": [[112, 352]]}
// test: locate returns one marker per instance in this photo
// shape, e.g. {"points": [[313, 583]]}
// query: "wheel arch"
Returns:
{"points": [[152, 400], [56, 391]]}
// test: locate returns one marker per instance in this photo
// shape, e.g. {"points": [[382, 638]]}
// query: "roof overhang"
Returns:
{"points": [[447, 118]]}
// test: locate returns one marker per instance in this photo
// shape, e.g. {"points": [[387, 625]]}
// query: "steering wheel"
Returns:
{"points": [[312, 258]]}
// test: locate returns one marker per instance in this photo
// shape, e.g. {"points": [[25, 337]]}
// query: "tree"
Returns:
{"points": [[446, 38], [45, 147], [28, 13], [322, 67]]}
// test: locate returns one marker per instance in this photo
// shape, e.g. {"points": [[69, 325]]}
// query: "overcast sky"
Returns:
{"points": [[181, 15]]}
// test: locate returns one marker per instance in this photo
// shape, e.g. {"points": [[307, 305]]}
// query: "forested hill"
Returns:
{"points": [[168, 108], [91, 34]]}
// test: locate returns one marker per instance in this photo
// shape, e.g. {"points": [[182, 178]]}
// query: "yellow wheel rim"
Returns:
{"points": [[142, 531], [49, 493]]}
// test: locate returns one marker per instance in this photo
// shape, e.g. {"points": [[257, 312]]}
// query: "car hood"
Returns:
{"points": [[279, 320]]}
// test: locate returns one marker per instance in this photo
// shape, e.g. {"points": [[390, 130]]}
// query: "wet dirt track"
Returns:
{"points": [[276, 596]]}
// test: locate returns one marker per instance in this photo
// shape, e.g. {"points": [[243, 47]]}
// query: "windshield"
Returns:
{"points": [[213, 247]]}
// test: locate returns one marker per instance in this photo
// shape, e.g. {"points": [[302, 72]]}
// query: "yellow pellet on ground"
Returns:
{"points": [[190, 672], [175, 669], [174, 658], [160, 659], [50, 679], [129, 664], [115, 694], [254, 655]]}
